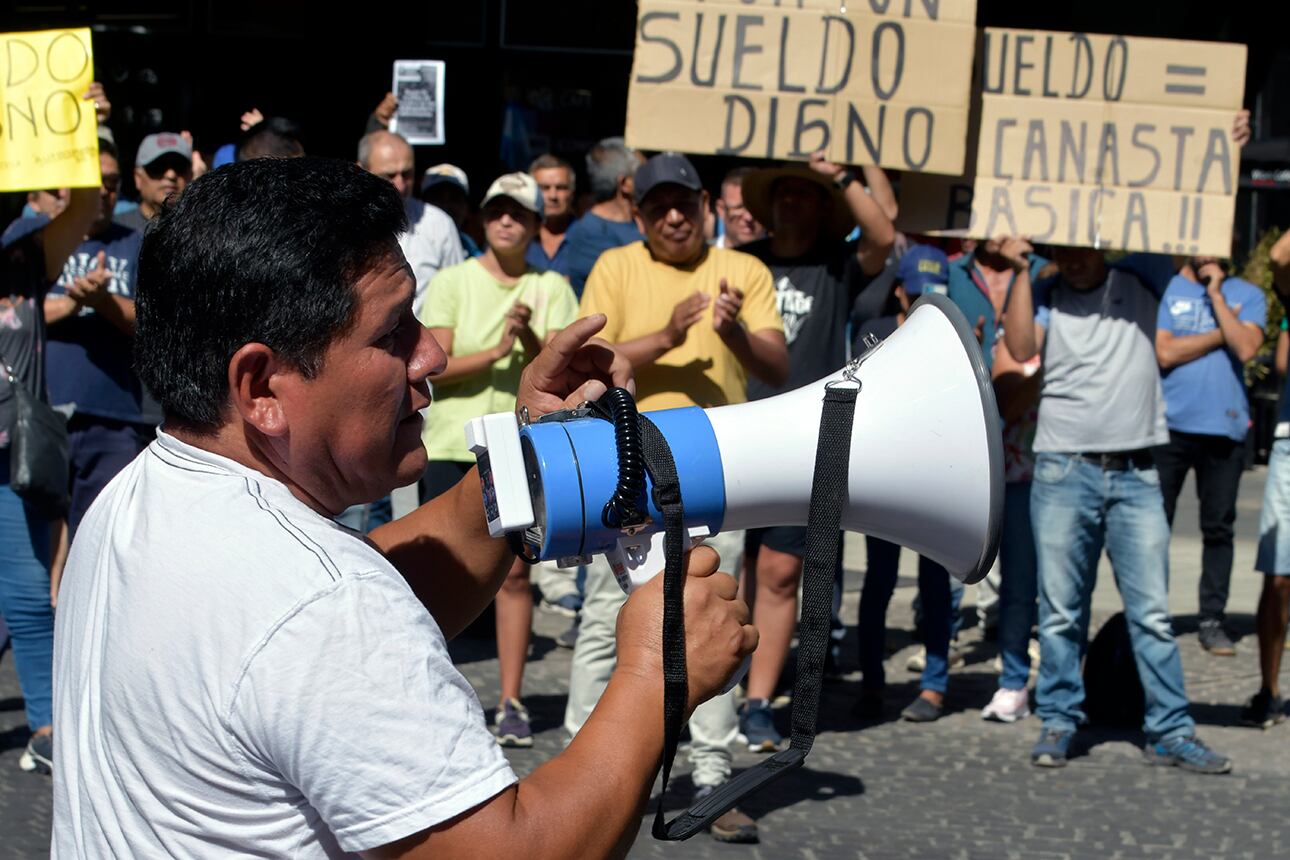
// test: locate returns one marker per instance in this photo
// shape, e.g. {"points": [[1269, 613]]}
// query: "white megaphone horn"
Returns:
{"points": [[925, 470]]}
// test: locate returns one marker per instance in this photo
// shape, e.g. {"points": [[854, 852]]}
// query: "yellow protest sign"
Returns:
{"points": [[878, 82], [1095, 141], [48, 133]]}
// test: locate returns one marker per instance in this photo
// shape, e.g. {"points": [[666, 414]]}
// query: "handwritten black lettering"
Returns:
{"points": [[1077, 151], [1048, 65], [928, 121], [1216, 152], [13, 63], [1000, 207], [1108, 150], [698, 52], [675, 70], [986, 39], [1083, 55], [79, 59], [1181, 132], [1136, 213], [1019, 63], [771, 126], [742, 25], [1036, 148], [1147, 147], [1034, 199], [849, 53], [958, 213], [784, 85], [999, 129], [1118, 45], [70, 107], [12, 108], [856, 123], [802, 128], [732, 101], [885, 93]]}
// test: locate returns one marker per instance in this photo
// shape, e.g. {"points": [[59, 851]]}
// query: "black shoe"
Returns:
{"points": [[1214, 639], [1264, 710], [921, 711]]}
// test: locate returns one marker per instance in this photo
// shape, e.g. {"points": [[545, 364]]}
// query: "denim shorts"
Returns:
{"points": [[1274, 522]]}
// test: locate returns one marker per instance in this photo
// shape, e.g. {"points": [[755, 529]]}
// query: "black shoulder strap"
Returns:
{"points": [[828, 496]]}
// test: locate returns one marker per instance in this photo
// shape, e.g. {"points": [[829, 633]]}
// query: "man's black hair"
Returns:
{"points": [[272, 137], [264, 251]]}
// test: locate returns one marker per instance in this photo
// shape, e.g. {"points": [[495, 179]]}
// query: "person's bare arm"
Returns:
{"points": [[1021, 334], [1175, 349], [58, 308], [61, 236], [1283, 352], [875, 179], [763, 353], [1242, 339], [461, 367], [443, 548], [1014, 389], [649, 348], [587, 801], [877, 234]]}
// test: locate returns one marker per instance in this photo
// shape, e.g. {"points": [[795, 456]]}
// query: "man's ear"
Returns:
{"points": [[251, 391]]}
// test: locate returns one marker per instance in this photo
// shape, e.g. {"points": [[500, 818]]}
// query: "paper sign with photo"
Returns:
{"points": [[418, 85]]}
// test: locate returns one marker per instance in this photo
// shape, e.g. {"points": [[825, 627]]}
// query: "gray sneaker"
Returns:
{"points": [[1214, 639], [39, 754], [512, 725]]}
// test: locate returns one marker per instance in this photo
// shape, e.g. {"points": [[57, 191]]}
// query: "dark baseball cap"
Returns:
{"points": [[663, 169]]}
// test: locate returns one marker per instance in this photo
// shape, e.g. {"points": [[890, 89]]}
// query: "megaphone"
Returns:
{"points": [[925, 471]]}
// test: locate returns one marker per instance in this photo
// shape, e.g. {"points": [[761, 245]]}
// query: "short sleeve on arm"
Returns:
{"points": [[353, 700], [601, 296], [440, 308], [1165, 318], [759, 312], [1040, 298], [562, 304], [1254, 307]]}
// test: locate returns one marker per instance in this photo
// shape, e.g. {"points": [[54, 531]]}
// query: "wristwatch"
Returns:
{"points": [[844, 179]]}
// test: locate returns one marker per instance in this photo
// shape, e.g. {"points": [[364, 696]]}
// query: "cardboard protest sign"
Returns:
{"points": [[48, 133], [875, 82], [1095, 141]]}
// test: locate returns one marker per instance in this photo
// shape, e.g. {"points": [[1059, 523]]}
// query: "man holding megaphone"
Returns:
{"points": [[239, 675]]}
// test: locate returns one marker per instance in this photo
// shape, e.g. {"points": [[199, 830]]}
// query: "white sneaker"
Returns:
{"points": [[917, 661], [1007, 706]]}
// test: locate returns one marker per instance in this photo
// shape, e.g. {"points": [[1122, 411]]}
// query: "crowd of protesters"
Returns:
{"points": [[1114, 379]]}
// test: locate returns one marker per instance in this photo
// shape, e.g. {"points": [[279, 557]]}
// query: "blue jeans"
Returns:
{"points": [[24, 598], [933, 591], [1077, 508], [1018, 588]]}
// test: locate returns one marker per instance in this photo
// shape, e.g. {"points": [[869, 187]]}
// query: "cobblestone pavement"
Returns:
{"points": [[958, 788]]}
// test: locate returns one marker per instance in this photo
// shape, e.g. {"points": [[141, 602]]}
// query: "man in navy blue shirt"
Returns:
{"points": [[609, 223], [1209, 325], [549, 250], [90, 314]]}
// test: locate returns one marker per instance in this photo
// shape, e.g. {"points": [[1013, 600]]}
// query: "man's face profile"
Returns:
{"points": [[355, 428], [162, 177]]}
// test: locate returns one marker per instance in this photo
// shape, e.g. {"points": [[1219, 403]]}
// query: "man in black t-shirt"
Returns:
{"points": [[809, 210]]}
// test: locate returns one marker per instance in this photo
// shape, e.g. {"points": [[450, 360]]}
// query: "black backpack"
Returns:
{"points": [[1113, 694]]}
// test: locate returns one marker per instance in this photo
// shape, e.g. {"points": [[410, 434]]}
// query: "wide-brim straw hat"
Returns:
{"points": [[758, 187]]}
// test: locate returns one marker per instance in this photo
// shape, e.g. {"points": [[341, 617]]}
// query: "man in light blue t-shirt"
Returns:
{"points": [[1208, 326]]}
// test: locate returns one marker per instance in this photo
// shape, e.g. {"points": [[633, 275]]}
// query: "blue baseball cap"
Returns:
{"points": [[923, 268]]}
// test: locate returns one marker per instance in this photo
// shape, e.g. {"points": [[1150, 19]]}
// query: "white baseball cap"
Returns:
{"points": [[520, 187]]}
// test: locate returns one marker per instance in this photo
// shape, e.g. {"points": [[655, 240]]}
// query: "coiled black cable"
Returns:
{"points": [[627, 506]]}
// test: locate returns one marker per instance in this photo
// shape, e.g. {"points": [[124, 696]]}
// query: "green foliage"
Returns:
{"points": [[1258, 271]]}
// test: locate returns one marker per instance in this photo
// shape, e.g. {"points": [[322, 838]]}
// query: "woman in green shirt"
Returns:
{"points": [[492, 314]]}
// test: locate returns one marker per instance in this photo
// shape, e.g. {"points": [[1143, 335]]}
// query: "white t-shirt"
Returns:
{"points": [[237, 675], [430, 244]]}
